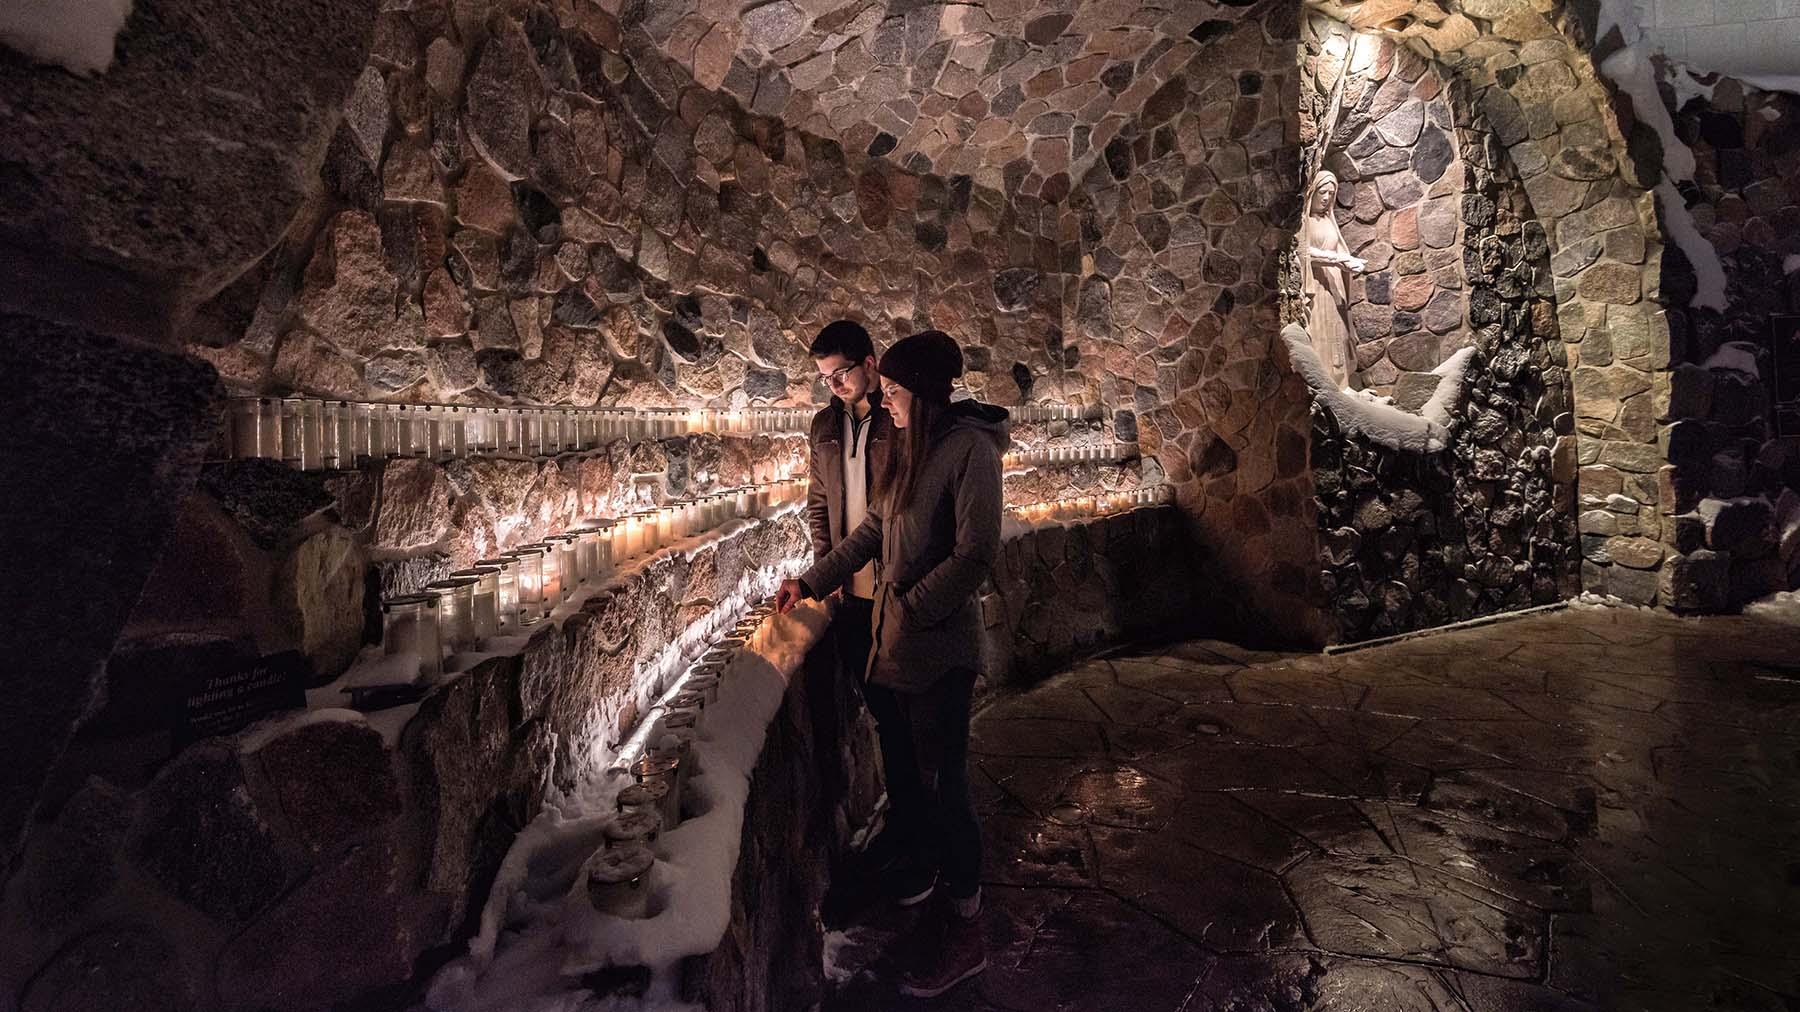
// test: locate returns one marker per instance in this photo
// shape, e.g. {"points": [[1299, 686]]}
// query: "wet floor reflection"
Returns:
{"points": [[1588, 809]]}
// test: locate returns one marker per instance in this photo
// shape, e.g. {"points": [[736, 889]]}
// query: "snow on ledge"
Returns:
{"points": [[1630, 69], [539, 932], [1426, 432], [76, 35]]}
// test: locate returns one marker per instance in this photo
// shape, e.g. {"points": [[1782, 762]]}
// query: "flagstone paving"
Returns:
{"points": [[1594, 808]]}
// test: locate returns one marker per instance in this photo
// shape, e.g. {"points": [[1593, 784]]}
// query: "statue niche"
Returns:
{"points": [[1326, 264]]}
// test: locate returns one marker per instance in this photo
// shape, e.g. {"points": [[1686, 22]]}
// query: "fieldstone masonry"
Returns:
{"points": [[1729, 493], [1413, 540], [624, 203]]}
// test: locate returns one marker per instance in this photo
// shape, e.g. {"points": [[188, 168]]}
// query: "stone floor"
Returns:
{"points": [[1587, 809]]}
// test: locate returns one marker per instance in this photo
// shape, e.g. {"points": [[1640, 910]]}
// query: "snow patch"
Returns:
{"points": [[539, 933], [1426, 432], [1782, 607], [1773, 82], [1791, 264], [76, 35], [1736, 356], [1631, 70], [1708, 271], [265, 731]]}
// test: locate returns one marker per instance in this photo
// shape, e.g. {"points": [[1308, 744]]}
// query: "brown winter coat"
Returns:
{"points": [[931, 556], [825, 472]]}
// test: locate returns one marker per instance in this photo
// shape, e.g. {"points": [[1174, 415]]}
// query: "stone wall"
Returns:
{"points": [[537, 206], [1435, 204], [327, 860], [1730, 493], [1179, 223], [336, 860], [1063, 591]]}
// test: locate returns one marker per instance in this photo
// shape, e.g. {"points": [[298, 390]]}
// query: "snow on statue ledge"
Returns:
{"points": [[1426, 432]]}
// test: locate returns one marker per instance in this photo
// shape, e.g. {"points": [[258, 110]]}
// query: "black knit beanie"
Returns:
{"points": [[924, 363]]}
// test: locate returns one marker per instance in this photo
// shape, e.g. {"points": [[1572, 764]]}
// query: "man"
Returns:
{"points": [[850, 441]]}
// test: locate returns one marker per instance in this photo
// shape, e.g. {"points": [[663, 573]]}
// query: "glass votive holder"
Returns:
{"points": [[530, 582], [568, 560], [456, 611], [409, 625], [552, 585], [484, 599], [246, 427], [618, 880], [506, 589], [292, 430], [665, 525], [587, 552], [705, 688], [312, 435], [637, 823], [666, 770]]}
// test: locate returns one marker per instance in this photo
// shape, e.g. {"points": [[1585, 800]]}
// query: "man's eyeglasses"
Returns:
{"points": [[838, 375]]}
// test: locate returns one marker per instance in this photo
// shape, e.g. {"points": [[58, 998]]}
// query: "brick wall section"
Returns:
{"points": [[1728, 36]]}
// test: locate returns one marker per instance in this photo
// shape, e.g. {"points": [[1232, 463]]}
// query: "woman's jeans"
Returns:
{"points": [[925, 757]]}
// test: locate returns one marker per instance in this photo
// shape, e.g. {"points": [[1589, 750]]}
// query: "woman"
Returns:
{"points": [[1325, 261], [933, 536]]}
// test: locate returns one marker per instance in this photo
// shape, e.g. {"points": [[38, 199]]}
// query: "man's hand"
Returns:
{"points": [[792, 592]]}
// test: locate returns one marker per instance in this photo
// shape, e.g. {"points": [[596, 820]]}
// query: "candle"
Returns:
{"points": [[665, 525], [293, 436], [410, 626], [330, 433], [506, 586], [484, 600], [530, 582], [246, 427], [618, 880], [568, 560], [456, 610], [552, 585], [663, 769]]}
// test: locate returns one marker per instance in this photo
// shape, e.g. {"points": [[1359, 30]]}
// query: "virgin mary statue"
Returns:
{"points": [[1326, 264]]}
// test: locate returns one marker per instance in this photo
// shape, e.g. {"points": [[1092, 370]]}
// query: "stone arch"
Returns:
{"points": [[1533, 73]]}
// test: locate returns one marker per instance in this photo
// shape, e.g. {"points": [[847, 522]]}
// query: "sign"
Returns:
{"points": [[227, 699], [1787, 374]]}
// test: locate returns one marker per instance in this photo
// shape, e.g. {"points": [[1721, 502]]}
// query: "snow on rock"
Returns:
{"points": [[1773, 82], [1632, 71], [1736, 356], [539, 932], [265, 731], [1426, 432], [1782, 607], [76, 35]]}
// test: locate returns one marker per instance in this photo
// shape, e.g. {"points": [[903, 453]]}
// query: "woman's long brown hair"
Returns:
{"points": [[901, 475]]}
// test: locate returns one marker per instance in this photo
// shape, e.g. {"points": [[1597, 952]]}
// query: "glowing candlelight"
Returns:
{"points": [[530, 582]]}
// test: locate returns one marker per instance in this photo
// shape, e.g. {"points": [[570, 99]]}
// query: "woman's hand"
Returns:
{"points": [[792, 592]]}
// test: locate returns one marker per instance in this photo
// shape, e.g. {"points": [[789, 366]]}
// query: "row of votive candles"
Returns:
{"points": [[1055, 412], [517, 588], [1078, 507], [312, 434], [617, 875], [1053, 455]]}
